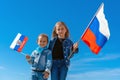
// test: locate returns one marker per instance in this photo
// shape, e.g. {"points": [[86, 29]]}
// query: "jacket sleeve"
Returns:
{"points": [[49, 61], [32, 57], [72, 53]]}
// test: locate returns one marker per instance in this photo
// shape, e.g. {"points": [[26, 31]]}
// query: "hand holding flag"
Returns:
{"points": [[28, 58], [75, 46]]}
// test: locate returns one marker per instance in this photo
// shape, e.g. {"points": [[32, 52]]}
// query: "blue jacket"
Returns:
{"points": [[67, 48], [41, 59]]}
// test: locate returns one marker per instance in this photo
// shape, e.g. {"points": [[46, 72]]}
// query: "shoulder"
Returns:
{"points": [[68, 40], [35, 52], [53, 39], [48, 51]]}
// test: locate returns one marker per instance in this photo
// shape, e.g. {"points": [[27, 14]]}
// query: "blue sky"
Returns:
{"points": [[32, 17]]}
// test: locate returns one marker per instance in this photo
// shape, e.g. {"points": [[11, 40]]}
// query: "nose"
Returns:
{"points": [[61, 31]]}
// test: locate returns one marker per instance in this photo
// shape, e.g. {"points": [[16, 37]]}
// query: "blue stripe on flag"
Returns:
{"points": [[21, 40], [16, 47], [100, 38]]}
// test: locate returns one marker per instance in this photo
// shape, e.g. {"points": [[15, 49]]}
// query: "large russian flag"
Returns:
{"points": [[97, 32], [19, 42]]}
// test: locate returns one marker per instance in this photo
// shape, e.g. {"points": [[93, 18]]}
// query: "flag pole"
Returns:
{"points": [[102, 4], [23, 53]]}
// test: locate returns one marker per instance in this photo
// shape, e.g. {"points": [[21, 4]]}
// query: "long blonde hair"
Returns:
{"points": [[54, 34]]}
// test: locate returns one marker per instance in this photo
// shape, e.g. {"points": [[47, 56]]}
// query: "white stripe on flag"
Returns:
{"points": [[15, 41], [103, 22]]}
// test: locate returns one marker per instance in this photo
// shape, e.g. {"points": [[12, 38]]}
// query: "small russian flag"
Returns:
{"points": [[19, 42]]}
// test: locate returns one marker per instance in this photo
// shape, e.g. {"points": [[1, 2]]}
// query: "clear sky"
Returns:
{"points": [[32, 17]]}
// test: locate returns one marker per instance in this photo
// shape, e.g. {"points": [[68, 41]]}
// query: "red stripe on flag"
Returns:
{"points": [[90, 39], [22, 44]]}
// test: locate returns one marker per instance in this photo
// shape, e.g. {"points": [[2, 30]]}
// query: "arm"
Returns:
{"points": [[74, 49], [48, 65], [49, 61], [31, 58]]}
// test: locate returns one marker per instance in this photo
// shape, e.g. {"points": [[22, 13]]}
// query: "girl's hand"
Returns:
{"points": [[75, 46], [46, 75]]}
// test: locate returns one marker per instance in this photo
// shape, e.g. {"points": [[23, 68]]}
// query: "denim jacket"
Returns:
{"points": [[67, 48], [41, 60]]}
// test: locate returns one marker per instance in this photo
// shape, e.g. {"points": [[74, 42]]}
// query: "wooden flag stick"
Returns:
{"points": [[68, 58], [23, 53]]}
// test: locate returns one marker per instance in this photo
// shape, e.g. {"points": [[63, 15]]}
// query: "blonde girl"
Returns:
{"points": [[61, 47]]}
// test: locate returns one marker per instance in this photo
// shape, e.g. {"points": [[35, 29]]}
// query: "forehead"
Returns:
{"points": [[42, 38], [60, 26]]}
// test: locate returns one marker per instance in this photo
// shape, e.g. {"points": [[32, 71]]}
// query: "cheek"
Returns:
{"points": [[57, 32], [38, 42], [46, 43], [64, 31]]}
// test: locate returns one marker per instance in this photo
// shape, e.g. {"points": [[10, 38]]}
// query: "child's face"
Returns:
{"points": [[42, 41], [60, 31]]}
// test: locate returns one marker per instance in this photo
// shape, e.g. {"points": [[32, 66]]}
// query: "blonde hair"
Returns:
{"points": [[42, 35], [54, 34]]}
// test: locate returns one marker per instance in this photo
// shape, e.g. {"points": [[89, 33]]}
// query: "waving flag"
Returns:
{"points": [[19, 42], [97, 32]]}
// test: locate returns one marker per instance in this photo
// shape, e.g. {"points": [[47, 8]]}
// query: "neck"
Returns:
{"points": [[42, 47]]}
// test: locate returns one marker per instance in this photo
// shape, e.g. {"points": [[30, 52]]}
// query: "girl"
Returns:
{"points": [[61, 46], [40, 59]]}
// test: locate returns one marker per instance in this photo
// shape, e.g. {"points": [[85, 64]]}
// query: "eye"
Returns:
{"points": [[62, 28], [44, 41], [40, 41], [58, 29]]}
